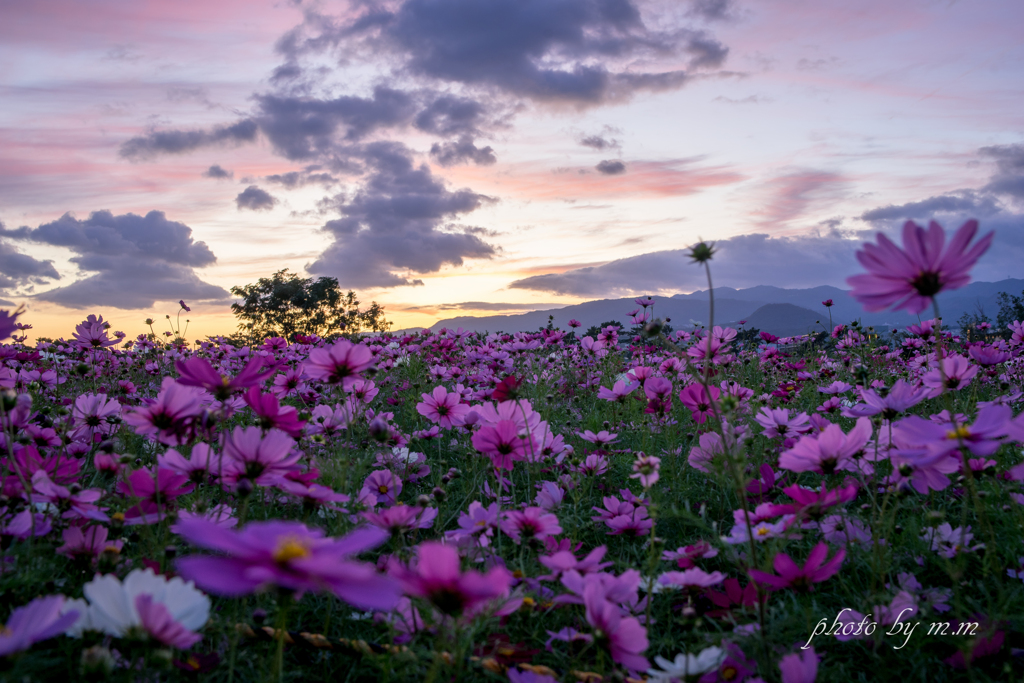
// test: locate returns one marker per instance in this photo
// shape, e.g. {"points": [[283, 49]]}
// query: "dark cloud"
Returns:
{"points": [[611, 167], [1009, 179], [216, 171], [742, 261], [137, 260], [574, 51], [960, 202], [180, 141], [712, 10], [296, 179], [462, 151], [255, 199], [395, 225], [18, 268], [599, 142], [448, 115]]}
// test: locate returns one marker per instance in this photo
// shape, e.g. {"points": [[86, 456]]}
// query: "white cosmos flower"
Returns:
{"points": [[111, 608], [687, 664]]}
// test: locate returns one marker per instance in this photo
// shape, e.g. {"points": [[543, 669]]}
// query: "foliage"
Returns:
{"points": [[1011, 307], [285, 305]]}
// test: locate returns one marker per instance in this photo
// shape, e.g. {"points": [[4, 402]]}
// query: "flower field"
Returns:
{"points": [[699, 505]]}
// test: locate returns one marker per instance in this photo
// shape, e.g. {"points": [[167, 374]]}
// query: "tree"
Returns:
{"points": [[285, 305], [1011, 308]]}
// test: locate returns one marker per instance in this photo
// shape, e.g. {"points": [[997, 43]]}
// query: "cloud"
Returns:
{"points": [[750, 99], [395, 224], [1009, 179], [18, 268], [791, 195], [461, 151], [611, 167], [712, 10], [599, 142], [960, 202], [216, 171], [296, 179], [574, 51], [305, 127], [493, 306], [448, 115], [181, 141], [739, 262], [255, 199], [137, 260]]}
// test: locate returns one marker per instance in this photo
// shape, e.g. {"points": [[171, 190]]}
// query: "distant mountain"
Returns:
{"points": [[782, 320], [732, 305]]}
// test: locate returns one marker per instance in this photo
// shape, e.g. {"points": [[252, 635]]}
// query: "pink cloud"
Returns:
{"points": [[671, 178]]}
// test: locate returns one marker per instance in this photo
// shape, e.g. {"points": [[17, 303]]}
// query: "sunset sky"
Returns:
{"points": [[453, 157]]}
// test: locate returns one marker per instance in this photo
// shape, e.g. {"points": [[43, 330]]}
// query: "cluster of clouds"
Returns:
{"points": [[469, 67], [824, 256]]}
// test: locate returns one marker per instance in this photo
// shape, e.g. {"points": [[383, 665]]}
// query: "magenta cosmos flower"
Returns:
{"points": [[436, 576], [39, 620], [262, 458], [169, 418], [502, 444], [342, 363], [622, 634], [197, 372], [287, 555], [533, 523], [443, 408], [908, 278], [791, 575]]}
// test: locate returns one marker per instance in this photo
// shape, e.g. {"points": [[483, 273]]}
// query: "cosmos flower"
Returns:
{"points": [[792, 575], [342, 363], [436, 576], [443, 408], [286, 555], [197, 372], [41, 619], [910, 277], [169, 610]]}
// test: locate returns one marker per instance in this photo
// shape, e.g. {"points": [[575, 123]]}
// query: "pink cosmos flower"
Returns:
{"points": [[39, 620], [956, 373], [95, 414], [263, 459], [88, 544], [813, 504], [835, 388], [288, 555], [685, 556], [533, 523], [501, 443], [703, 455], [343, 363], [799, 668], [564, 560], [623, 635], [691, 578], [168, 419], [695, 397], [443, 408], [909, 278], [196, 467], [828, 451], [602, 438], [77, 505], [158, 622], [385, 485], [983, 438], [645, 468], [197, 372], [791, 575], [272, 415], [778, 424], [619, 391], [477, 523], [436, 576], [400, 518], [899, 398]]}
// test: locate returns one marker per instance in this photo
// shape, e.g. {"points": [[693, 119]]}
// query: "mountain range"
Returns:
{"points": [[783, 312]]}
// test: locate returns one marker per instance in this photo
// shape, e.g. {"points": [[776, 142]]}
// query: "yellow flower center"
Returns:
{"points": [[762, 531], [290, 548], [382, 488], [960, 432]]}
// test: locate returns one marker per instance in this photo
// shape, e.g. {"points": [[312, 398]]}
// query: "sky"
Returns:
{"points": [[473, 157]]}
